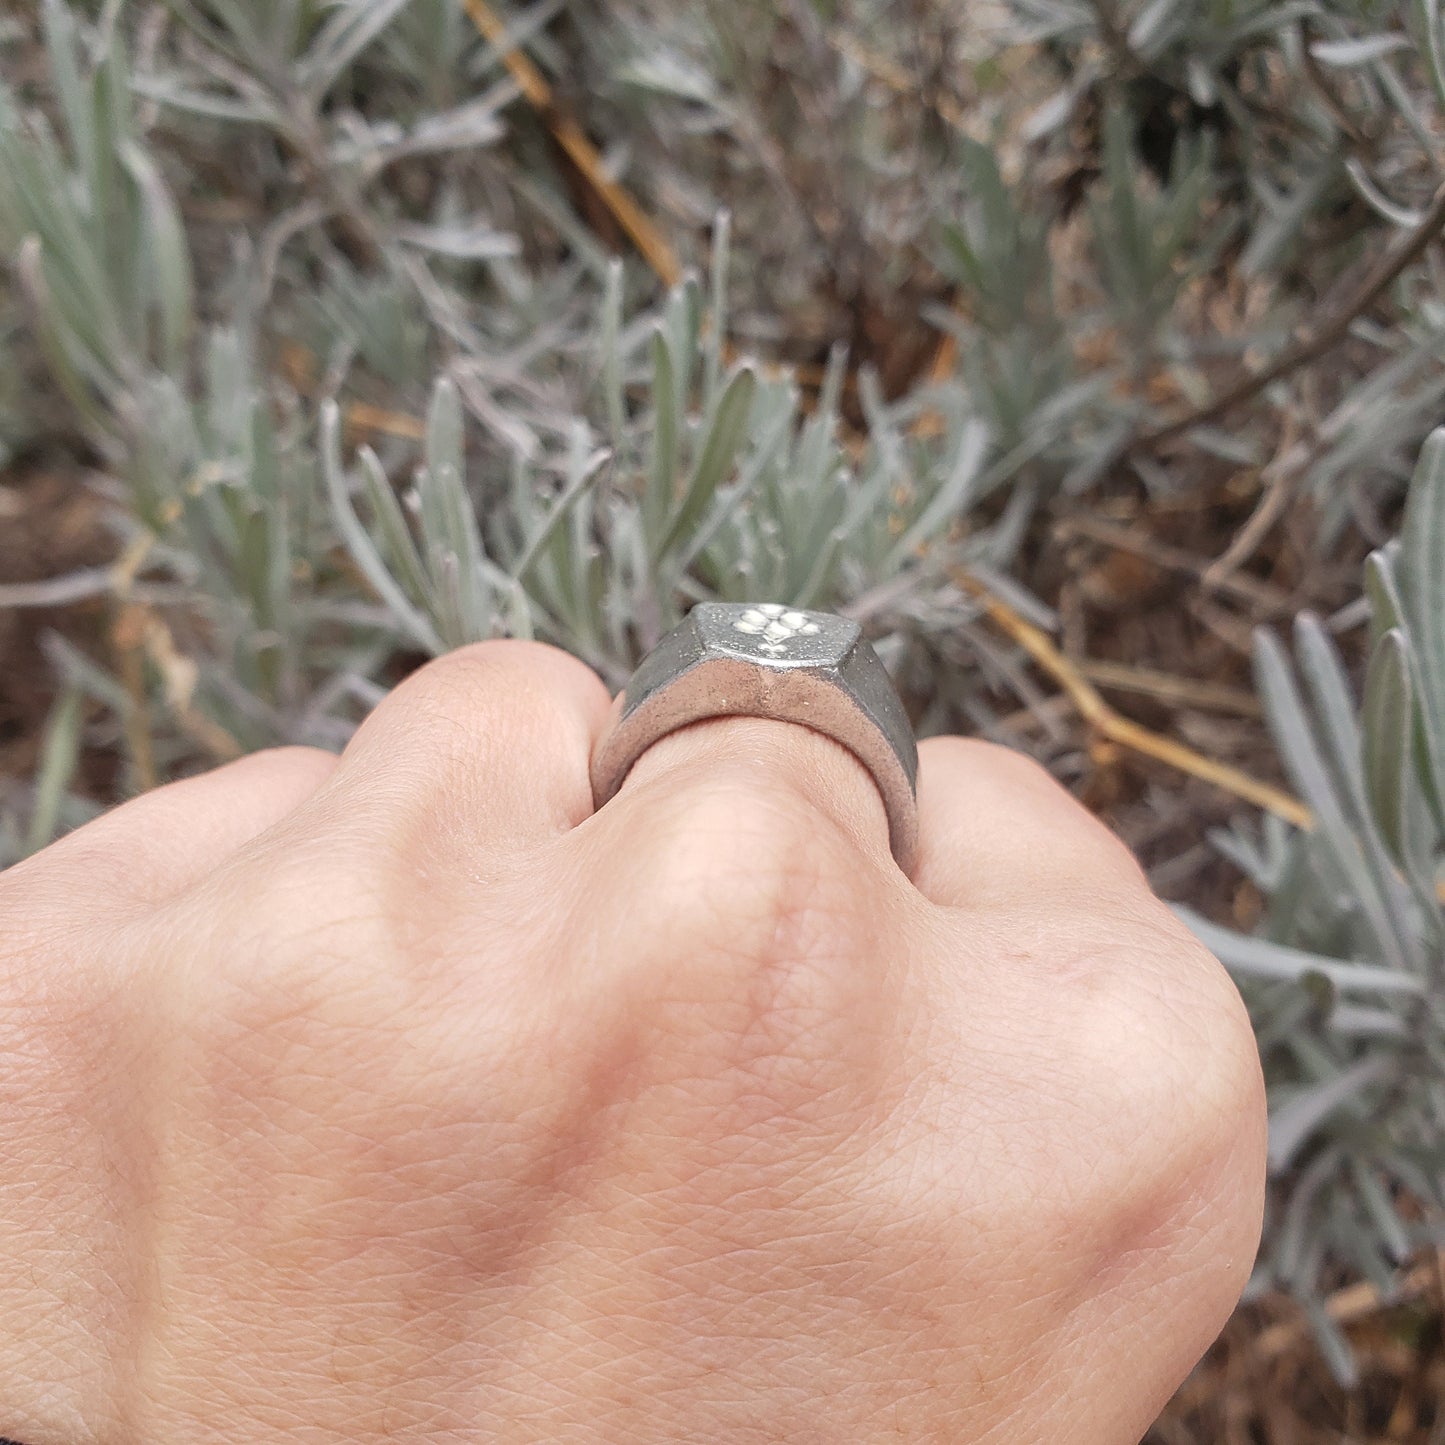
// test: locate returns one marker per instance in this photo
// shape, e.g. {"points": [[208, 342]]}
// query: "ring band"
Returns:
{"points": [[736, 660]]}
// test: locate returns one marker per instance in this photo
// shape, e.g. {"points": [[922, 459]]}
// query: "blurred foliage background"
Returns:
{"points": [[1087, 351]]}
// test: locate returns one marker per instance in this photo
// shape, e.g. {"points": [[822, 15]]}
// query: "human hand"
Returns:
{"points": [[401, 1097]]}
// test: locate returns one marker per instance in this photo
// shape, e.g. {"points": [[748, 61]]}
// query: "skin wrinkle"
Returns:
{"points": [[1204, 1192], [1128, 1269], [740, 1204], [1135, 1292]]}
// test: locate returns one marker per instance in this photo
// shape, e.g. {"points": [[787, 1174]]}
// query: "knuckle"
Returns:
{"points": [[293, 764], [465, 663], [1027, 788], [973, 755], [759, 947], [68, 998], [445, 693], [507, 668], [77, 878], [996, 756], [284, 936], [761, 862], [476, 724], [1170, 1067]]}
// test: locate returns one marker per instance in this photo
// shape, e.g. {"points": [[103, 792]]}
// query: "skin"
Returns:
{"points": [[402, 1097]]}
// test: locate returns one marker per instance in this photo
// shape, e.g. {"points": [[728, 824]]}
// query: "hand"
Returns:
{"points": [[401, 1097]]}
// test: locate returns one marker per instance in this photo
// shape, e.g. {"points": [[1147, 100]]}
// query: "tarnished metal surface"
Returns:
{"points": [[764, 660]]}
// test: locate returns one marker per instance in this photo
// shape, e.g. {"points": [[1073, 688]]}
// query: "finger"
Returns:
{"points": [[484, 749], [996, 830], [757, 763], [738, 843], [744, 879], [163, 841]]}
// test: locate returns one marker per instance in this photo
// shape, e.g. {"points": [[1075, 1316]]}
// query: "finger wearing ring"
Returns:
{"points": [[770, 661]]}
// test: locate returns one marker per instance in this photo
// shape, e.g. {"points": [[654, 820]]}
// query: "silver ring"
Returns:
{"points": [[737, 660]]}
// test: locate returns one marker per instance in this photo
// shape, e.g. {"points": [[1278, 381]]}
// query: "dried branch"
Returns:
{"points": [[1324, 338], [1116, 728], [1350, 1305], [645, 235]]}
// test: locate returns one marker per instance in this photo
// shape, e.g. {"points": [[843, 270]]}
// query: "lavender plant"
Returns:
{"points": [[1346, 975], [586, 492]]}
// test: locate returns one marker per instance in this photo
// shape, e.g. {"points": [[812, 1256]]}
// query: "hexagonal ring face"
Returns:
{"points": [[767, 660], [774, 635]]}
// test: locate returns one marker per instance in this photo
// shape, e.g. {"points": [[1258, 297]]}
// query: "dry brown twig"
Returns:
{"points": [[644, 234], [1349, 1305], [361, 416], [1279, 477], [1183, 691], [127, 638], [945, 359], [1114, 727]]}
